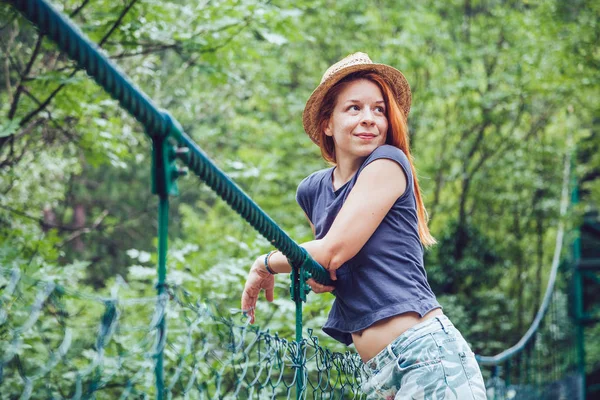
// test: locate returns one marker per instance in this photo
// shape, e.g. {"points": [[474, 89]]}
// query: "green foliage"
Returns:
{"points": [[501, 92]]}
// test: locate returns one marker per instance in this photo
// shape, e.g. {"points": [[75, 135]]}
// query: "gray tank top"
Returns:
{"points": [[387, 276]]}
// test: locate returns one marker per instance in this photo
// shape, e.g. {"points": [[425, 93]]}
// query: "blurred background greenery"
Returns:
{"points": [[501, 91]]}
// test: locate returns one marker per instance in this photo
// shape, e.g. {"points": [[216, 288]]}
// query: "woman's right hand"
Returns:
{"points": [[258, 278]]}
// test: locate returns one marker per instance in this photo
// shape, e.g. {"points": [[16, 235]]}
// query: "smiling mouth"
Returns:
{"points": [[366, 136]]}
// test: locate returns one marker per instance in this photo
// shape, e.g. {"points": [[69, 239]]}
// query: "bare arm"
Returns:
{"points": [[377, 188]]}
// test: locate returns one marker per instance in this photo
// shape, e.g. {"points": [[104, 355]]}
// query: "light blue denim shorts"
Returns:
{"points": [[431, 360]]}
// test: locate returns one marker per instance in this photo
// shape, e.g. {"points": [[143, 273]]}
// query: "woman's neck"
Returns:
{"points": [[345, 170]]}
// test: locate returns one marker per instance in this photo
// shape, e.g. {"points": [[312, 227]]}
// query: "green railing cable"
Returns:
{"points": [[511, 352], [160, 124]]}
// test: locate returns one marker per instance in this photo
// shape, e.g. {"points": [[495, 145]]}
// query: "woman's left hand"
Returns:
{"points": [[258, 278], [319, 287]]}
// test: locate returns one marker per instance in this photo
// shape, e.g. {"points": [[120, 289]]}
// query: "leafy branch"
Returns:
{"points": [[42, 105]]}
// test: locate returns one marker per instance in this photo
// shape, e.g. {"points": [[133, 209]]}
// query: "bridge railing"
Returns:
{"points": [[260, 363], [545, 362], [170, 144]]}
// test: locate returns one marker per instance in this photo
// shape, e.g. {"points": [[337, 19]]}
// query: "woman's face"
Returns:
{"points": [[358, 123]]}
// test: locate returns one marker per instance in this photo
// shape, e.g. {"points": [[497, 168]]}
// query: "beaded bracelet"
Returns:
{"points": [[268, 268]]}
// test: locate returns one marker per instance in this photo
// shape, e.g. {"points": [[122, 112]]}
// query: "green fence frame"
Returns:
{"points": [[524, 346], [171, 143]]}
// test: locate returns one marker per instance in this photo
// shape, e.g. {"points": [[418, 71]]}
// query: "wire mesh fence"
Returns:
{"points": [[547, 367], [56, 342], [60, 343]]}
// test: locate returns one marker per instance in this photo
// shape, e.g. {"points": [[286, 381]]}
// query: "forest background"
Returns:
{"points": [[502, 91]]}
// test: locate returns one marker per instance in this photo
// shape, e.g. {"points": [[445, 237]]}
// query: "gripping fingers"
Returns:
{"points": [[332, 275], [248, 305], [318, 287]]}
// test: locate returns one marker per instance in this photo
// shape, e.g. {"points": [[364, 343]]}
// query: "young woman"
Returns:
{"points": [[370, 227]]}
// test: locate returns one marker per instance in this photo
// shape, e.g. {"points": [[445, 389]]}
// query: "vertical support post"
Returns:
{"points": [[520, 365], [507, 372], [495, 379], [300, 357], [160, 188], [163, 226], [578, 295], [538, 369], [555, 354], [579, 316], [528, 363], [164, 175], [299, 289]]}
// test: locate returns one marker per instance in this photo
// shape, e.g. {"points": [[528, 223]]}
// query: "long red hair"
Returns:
{"points": [[397, 136]]}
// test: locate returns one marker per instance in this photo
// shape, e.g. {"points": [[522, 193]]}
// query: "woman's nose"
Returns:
{"points": [[367, 117]]}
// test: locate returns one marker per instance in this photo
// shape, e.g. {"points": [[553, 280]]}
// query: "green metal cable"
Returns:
{"points": [[535, 325], [161, 127], [160, 124]]}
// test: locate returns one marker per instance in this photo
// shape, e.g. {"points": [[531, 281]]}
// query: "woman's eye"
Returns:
{"points": [[380, 109], [354, 107]]}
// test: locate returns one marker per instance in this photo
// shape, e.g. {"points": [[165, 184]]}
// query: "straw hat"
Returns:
{"points": [[353, 63]]}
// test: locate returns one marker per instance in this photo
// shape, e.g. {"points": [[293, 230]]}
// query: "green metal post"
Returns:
{"points": [[494, 379], [507, 372], [528, 379], [538, 371], [578, 295], [579, 315], [300, 358], [520, 360], [164, 175], [163, 226], [299, 290], [557, 352]]}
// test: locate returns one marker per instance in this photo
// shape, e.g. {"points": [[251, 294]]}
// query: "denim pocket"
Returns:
{"points": [[382, 384], [420, 371], [419, 353], [461, 371]]}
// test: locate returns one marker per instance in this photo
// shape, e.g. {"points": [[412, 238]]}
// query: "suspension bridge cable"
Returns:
{"points": [[533, 328]]}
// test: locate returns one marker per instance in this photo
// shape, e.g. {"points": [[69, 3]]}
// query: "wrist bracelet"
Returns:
{"points": [[267, 267]]}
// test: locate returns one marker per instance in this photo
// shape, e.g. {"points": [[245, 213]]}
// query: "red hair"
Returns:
{"points": [[397, 136]]}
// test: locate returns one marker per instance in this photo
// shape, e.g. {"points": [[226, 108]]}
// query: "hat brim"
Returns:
{"points": [[394, 78]]}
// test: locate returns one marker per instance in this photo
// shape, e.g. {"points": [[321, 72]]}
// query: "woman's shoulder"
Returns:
{"points": [[393, 153], [316, 177], [309, 187], [312, 183], [388, 151]]}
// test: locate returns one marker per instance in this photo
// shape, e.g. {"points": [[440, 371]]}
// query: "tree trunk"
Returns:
{"points": [[78, 223], [49, 218]]}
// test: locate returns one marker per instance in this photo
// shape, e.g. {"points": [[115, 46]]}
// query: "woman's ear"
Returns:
{"points": [[327, 128]]}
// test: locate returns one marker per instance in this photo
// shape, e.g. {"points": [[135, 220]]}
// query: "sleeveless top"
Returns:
{"points": [[386, 277]]}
